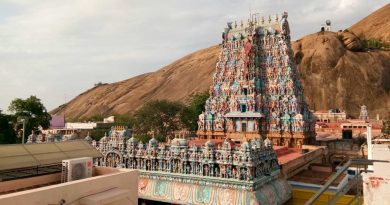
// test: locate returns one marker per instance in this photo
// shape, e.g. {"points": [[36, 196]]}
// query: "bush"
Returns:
{"points": [[375, 44]]}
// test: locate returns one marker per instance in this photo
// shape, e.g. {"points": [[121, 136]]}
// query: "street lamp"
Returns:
{"points": [[24, 128]]}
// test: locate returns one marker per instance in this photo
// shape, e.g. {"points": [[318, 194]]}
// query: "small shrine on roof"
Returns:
{"points": [[256, 88]]}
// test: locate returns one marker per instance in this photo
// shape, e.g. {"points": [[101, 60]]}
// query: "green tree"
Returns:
{"points": [[189, 115], [160, 117], [7, 133], [126, 120], [32, 111]]}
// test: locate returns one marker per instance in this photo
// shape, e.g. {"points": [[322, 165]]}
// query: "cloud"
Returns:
{"points": [[58, 49]]}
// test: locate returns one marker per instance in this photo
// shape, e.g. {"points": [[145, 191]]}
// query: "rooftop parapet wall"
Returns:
{"points": [[79, 191]]}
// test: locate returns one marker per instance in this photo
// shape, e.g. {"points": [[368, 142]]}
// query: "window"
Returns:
{"points": [[347, 134], [245, 91], [243, 108], [243, 127]]}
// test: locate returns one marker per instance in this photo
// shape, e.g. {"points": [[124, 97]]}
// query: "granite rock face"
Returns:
{"points": [[336, 77]]}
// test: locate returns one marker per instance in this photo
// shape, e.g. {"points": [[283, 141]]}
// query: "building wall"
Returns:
{"points": [[80, 125], [330, 117], [294, 166], [376, 185], [117, 186], [24, 183]]}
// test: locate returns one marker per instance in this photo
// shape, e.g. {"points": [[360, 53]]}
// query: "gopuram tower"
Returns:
{"points": [[256, 88]]}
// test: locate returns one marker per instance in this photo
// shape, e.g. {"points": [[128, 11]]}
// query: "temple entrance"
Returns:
{"points": [[113, 159], [347, 134]]}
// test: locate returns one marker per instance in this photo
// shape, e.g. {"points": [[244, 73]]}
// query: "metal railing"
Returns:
{"points": [[347, 186]]}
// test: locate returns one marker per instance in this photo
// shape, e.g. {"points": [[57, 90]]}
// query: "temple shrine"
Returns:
{"points": [[181, 173], [256, 88]]}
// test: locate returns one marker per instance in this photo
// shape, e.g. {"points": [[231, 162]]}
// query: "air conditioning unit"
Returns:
{"points": [[78, 168]]}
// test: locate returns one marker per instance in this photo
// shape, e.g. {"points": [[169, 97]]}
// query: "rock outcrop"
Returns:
{"points": [[335, 77], [351, 41]]}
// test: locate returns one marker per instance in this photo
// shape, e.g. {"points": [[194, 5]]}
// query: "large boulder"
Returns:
{"points": [[351, 41]]}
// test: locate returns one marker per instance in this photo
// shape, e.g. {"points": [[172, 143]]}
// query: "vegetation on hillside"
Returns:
{"points": [[375, 44]]}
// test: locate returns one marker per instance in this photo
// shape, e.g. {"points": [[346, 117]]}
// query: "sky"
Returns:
{"points": [[56, 49]]}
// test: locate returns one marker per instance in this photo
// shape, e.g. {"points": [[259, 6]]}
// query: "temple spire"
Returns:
{"points": [[256, 90]]}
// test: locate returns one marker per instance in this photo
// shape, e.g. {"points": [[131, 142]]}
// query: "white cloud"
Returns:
{"points": [[60, 48]]}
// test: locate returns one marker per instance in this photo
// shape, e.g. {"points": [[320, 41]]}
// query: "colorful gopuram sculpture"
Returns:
{"points": [[209, 174], [256, 88]]}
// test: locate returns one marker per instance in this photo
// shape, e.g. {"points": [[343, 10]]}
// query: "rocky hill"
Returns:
{"points": [[336, 71], [374, 26], [176, 81]]}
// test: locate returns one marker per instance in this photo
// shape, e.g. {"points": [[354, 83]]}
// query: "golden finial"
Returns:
{"points": [[241, 24], [269, 19], [262, 20]]}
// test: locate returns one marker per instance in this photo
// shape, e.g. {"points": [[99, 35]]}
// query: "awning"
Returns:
{"points": [[17, 156]]}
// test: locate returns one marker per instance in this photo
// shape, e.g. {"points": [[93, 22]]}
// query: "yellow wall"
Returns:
{"points": [[301, 196]]}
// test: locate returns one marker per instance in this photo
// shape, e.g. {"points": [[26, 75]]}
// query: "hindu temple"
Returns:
{"points": [[256, 88], [256, 99]]}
